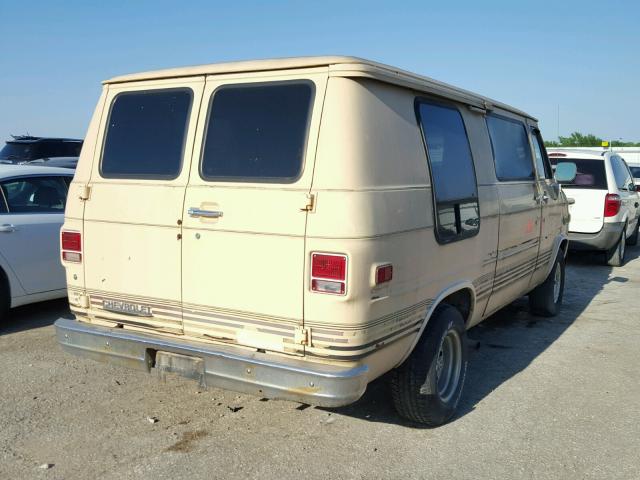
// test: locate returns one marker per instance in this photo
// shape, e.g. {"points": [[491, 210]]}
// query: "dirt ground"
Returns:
{"points": [[545, 398]]}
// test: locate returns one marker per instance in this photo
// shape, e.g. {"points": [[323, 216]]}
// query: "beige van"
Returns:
{"points": [[297, 228]]}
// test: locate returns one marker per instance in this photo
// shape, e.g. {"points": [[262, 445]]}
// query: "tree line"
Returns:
{"points": [[577, 139]]}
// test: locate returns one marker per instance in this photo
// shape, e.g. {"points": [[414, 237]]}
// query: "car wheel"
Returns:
{"points": [[546, 298], [615, 256], [427, 387], [633, 239]]}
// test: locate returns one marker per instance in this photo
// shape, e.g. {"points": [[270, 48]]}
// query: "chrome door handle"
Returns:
{"points": [[198, 212], [7, 228], [544, 198]]}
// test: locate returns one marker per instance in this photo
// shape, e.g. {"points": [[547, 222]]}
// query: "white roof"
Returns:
{"points": [[16, 170], [577, 153], [338, 66]]}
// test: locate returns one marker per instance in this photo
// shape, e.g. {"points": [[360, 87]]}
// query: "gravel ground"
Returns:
{"points": [[545, 398]]}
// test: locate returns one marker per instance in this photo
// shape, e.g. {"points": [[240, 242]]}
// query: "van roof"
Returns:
{"points": [[338, 66]]}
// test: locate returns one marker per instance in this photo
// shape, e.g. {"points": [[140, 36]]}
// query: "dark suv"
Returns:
{"points": [[54, 152]]}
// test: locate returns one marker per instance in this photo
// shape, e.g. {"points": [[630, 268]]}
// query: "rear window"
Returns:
{"points": [[635, 171], [511, 150], [257, 133], [590, 173], [146, 134]]}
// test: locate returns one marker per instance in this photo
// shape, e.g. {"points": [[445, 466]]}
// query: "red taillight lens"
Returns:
{"points": [[384, 274], [332, 267], [329, 273], [71, 243], [611, 204]]}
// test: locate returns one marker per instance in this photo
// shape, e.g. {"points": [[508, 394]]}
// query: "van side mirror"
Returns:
{"points": [[566, 172]]}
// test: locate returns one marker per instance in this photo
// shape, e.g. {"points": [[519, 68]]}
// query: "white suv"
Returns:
{"points": [[605, 213]]}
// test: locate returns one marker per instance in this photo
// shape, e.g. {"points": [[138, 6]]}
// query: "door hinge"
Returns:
{"points": [[85, 191], [311, 203], [302, 336]]}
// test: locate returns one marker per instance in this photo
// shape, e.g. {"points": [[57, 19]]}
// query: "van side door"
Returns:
{"points": [[552, 207], [519, 232]]}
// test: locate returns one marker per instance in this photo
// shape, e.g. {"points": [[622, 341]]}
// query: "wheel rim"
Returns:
{"points": [[557, 283], [449, 365]]}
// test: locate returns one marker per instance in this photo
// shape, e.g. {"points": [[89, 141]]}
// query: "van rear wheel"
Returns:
{"points": [[615, 256], [546, 298], [427, 387]]}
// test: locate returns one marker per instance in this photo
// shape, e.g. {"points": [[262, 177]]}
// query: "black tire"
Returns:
{"points": [[5, 296], [545, 300], [615, 255], [633, 239], [415, 389]]}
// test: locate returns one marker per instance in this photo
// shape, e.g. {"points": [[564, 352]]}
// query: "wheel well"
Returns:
{"points": [[4, 283], [462, 301], [564, 245]]}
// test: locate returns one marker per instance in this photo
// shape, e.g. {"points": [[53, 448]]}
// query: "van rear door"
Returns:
{"points": [[246, 207], [133, 216]]}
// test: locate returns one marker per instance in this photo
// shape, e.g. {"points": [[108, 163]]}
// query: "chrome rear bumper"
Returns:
{"points": [[259, 374]]}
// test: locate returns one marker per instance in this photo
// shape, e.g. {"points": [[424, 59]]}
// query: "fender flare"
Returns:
{"points": [[453, 288], [560, 239]]}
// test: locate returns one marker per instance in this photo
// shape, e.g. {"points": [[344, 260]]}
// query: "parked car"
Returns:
{"points": [[51, 152], [32, 201], [635, 172], [255, 247], [605, 213]]}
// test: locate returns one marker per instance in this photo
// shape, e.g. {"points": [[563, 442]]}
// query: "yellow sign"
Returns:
{"points": [[605, 143]]}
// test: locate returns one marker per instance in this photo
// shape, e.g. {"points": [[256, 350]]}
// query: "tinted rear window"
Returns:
{"points": [[146, 133], [590, 173], [257, 133], [635, 171]]}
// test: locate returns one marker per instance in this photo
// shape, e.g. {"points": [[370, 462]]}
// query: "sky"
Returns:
{"points": [[575, 65]]}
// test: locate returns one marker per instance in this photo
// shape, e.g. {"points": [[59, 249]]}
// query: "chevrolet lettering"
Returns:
{"points": [[127, 308]]}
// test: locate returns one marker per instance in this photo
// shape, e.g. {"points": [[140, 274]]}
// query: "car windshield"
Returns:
{"points": [[589, 173], [635, 171]]}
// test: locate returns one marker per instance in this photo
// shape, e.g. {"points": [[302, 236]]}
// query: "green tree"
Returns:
{"points": [[577, 139]]}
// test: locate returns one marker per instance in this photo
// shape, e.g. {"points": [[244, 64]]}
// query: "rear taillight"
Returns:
{"points": [[329, 273], [611, 204], [71, 243]]}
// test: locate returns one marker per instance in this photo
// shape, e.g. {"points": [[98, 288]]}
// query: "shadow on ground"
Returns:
{"points": [[35, 315], [507, 342]]}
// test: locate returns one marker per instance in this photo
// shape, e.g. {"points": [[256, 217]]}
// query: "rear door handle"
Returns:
{"points": [[7, 228], [198, 212], [544, 198]]}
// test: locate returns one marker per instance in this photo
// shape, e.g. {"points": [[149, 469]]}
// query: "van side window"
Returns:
{"points": [[146, 133], [511, 152], [453, 176], [257, 133], [542, 161]]}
